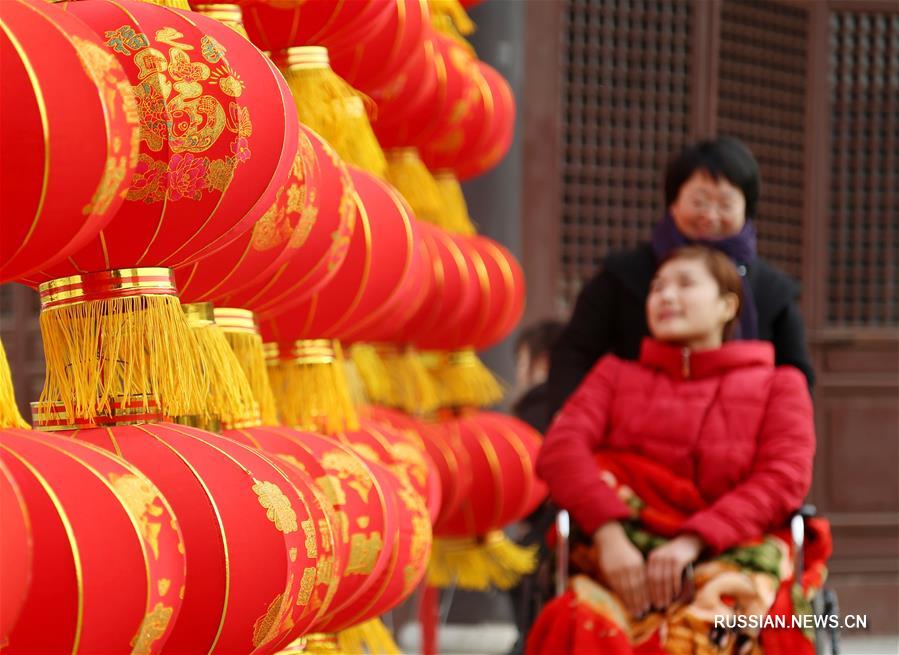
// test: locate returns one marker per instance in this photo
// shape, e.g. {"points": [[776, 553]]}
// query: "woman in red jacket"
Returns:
{"points": [[702, 446]]}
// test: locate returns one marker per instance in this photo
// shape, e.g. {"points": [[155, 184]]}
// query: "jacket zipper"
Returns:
{"points": [[685, 363]]}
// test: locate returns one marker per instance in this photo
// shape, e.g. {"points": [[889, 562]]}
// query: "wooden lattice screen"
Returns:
{"points": [[626, 108], [864, 191], [761, 100]]}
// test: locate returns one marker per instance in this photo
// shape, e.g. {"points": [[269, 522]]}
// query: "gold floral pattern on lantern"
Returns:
{"points": [[175, 108], [309, 531], [277, 505], [142, 499], [364, 553], [348, 467], [307, 583], [151, 629], [266, 626], [100, 66]]}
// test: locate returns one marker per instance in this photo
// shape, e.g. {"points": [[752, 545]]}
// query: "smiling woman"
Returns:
{"points": [[711, 195], [693, 456]]}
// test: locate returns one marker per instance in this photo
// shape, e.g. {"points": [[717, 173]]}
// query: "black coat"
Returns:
{"points": [[610, 316]]}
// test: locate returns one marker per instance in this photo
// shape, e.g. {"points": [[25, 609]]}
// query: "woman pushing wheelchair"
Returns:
{"points": [[681, 470]]}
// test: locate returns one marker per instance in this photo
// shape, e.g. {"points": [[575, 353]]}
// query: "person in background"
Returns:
{"points": [[532, 350], [711, 198], [695, 455]]}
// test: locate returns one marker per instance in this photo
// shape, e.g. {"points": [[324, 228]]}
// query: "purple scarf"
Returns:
{"points": [[741, 248]]}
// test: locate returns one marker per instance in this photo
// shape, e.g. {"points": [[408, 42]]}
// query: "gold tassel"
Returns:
{"points": [[100, 348], [9, 412], [315, 644], [412, 388], [174, 4], [371, 637], [455, 12], [455, 209], [479, 564], [372, 372], [358, 394], [331, 107], [243, 336], [310, 387], [414, 181], [464, 381], [229, 14], [229, 397], [450, 19]]}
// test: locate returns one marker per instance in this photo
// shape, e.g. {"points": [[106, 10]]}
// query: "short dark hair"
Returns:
{"points": [[722, 269], [539, 338], [725, 155]]}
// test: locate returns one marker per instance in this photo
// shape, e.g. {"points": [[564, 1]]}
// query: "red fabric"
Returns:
{"points": [[726, 419]]}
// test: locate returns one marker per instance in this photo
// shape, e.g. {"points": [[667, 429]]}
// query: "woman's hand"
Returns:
{"points": [[622, 567], [665, 567]]}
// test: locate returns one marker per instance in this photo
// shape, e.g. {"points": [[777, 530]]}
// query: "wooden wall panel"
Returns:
{"points": [[626, 69]]}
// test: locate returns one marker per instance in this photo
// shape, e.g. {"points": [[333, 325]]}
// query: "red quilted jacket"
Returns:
{"points": [[727, 419]]}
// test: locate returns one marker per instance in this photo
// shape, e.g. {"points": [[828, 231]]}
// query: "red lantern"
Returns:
{"points": [[409, 298], [248, 534], [365, 509], [450, 458], [374, 58], [465, 283], [412, 546], [15, 553], [281, 24], [460, 143], [327, 222], [499, 127], [404, 453], [505, 303], [108, 568], [305, 473], [404, 104], [64, 173], [502, 462], [215, 130], [259, 253], [379, 256]]}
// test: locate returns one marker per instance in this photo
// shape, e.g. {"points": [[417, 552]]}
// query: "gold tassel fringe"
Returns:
{"points": [[414, 181], [371, 637], [135, 346], [9, 412], [251, 357], [455, 209], [358, 393], [174, 4], [464, 381], [453, 10], [372, 372], [312, 391], [334, 109], [479, 564], [229, 396], [412, 388]]}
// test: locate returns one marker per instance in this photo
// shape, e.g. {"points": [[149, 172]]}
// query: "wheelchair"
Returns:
{"points": [[825, 604]]}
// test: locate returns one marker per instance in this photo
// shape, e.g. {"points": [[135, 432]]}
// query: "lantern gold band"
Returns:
{"points": [[272, 353], [463, 358], [314, 351], [105, 285], [303, 57], [234, 319], [198, 314], [53, 417], [402, 153]]}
